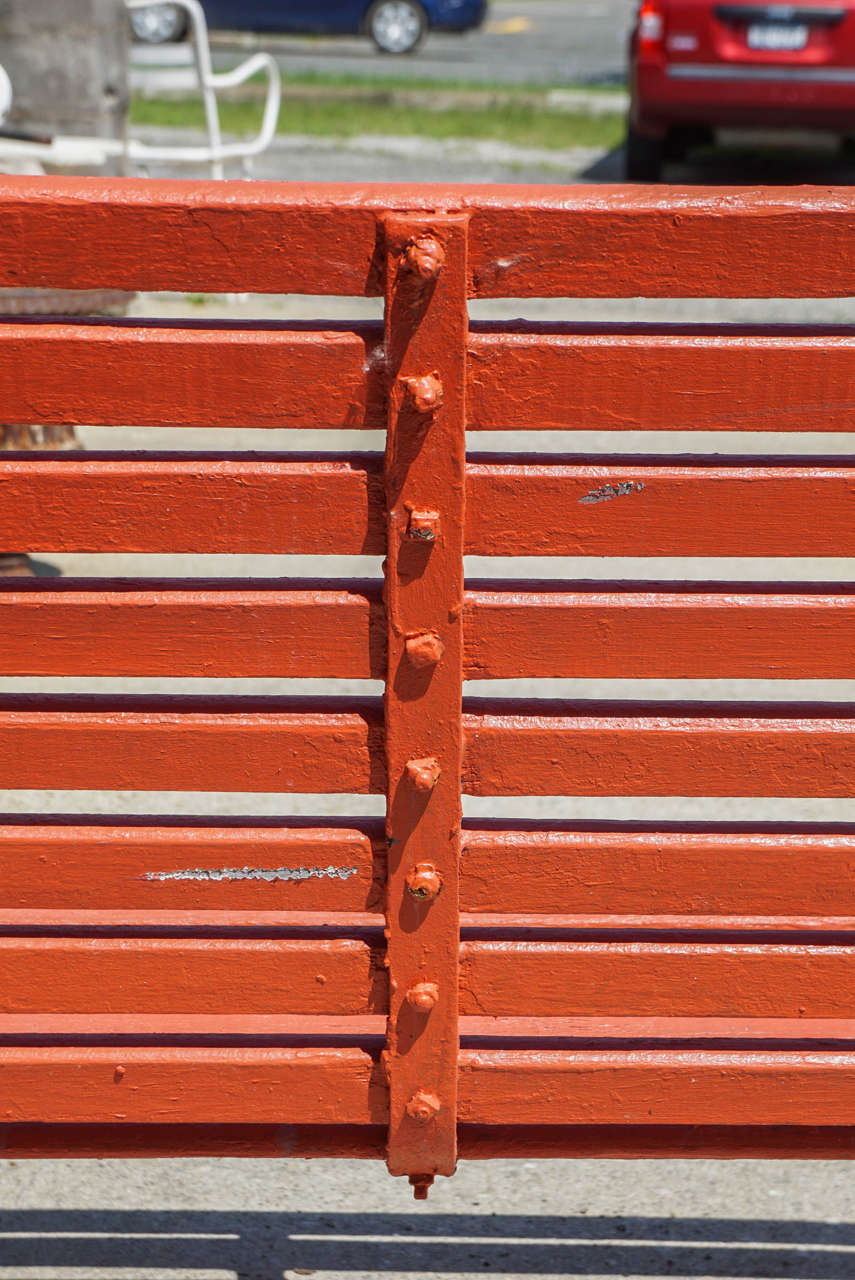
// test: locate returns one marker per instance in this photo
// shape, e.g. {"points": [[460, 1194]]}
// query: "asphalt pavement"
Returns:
{"points": [[522, 42]]}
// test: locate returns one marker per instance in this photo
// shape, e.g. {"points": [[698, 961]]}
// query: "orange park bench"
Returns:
{"points": [[427, 989]]}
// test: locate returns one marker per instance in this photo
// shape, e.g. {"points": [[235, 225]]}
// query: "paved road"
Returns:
{"points": [[524, 41], [257, 1220]]}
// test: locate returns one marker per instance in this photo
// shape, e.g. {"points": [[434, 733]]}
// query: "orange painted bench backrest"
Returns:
{"points": [[430, 988]]}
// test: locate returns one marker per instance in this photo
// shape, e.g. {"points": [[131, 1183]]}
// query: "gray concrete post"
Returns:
{"points": [[68, 63]]}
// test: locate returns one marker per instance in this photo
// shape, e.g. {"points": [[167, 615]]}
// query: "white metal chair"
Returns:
{"points": [[68, 151]]}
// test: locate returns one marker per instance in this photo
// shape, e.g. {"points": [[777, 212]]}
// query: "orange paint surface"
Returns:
{"points": [[170, 975], [150, 744], [225, 986], [426, 327], [647, 749]]}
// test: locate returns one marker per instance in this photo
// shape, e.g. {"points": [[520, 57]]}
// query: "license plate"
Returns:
{"points": [[777, 37]]}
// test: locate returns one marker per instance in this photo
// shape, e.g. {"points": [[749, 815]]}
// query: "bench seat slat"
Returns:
{"points": [[660, 631], [302, 629], [281, 745], [280, 504], [596, 241], [255, 505], [164, 744], [650, 874], [154, 629], [644, 749], [149, 869], [193, 976], [81, 1085], [151, 374], [636, 378], [691, 506], [650, 1087], [681, 980]]}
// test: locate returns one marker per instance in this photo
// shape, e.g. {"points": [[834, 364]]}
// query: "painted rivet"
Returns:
{"points": [[119, 1074], [424, 393], [424, 257], [423, 774], [424, 996], [423, 526], [423, 1106], [424, 881], [424, 649]]}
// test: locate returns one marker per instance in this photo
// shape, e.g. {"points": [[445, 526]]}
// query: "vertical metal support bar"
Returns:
{"points": [[426, 340]]}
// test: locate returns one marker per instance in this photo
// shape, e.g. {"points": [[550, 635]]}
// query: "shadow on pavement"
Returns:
{"points": [[261, 1246], [746, 164]]}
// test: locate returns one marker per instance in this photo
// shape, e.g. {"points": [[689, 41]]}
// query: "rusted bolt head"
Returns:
{"points": [[425, 392], [424, 881], [423, 1106], [424, 996], [424, 649], [421, 1184], [423, 774], [423, 526], [423, 257]]}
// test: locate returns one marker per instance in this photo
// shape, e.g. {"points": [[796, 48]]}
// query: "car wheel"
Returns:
{"points": [[645, 157], [396, 26], [158, 23]]}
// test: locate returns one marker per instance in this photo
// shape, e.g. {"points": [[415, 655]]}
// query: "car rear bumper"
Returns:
{"points": [[741, 94]]}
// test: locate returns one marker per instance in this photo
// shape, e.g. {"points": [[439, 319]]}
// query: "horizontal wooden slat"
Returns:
{"points": [[652, 1087], [630, 378], [156, 629], [78, 1085], [280, 745], [263, 504], [204, 744], [190, 1086], [322, 238], [660, 507], [175, 975], [152, 868], [278, 504], [691, 980], [651, 631], [204, 375], [653, 873], [257, 1030], [655, 749], [150, 373], [327, 630]]}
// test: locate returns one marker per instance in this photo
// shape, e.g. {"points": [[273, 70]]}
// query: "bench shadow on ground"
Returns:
{"points": [[745, 164], [261, 1246]]}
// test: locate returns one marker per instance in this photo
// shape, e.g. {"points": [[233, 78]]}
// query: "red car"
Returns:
{"points": [[698, 64]]}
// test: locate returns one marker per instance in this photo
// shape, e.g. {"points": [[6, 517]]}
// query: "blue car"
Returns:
{"points": [[395, 26]]}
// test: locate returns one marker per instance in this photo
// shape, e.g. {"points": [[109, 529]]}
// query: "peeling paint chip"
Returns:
{"points": [[609, 491], [255, 873]]}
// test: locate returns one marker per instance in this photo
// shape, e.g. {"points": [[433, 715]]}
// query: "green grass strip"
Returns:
{"points": [[519, 124]]}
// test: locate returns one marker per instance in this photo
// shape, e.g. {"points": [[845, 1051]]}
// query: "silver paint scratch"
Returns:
{"points": [[255, 873]]}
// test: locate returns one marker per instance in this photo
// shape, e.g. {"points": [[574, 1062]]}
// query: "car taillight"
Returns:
{"points": [[651, 28]]}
